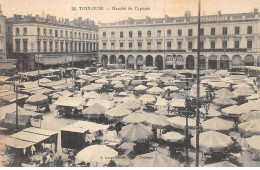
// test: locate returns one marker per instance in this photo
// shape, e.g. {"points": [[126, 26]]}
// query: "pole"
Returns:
{"points": [[187, 140], [38, 48], [16, 96], [198, 91]]}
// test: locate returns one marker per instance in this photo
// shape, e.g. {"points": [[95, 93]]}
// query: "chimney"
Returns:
{"points": [[255, 10]]}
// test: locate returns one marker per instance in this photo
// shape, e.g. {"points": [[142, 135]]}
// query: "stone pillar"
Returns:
{"points": [[164, 65], [207, 63], [184, 63], [218, 64], [195, 62]]}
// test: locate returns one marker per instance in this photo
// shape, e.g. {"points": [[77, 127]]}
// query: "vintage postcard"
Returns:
{"points": [[137, 83]]}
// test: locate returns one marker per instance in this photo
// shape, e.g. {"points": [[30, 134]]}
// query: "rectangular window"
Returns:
{"points": [[84, 47], [202, 45], [179, 45], [139, 45], [149, 44], [79, 47], [112, 34], [121, 34], [61, 46], [202, 31], [190, 33], [56, 33], [17, 45], [50, 32], [44, 32], [190, 45], [67, 46], [159, 45], [179, 32], [249, 44], [71, 34], [149, 33], [169, 33], [237, 30], [39, 46], [71, 46], [90, 37], [87, 36], [61, 33], [112, 45], [213, 31], [75, 35], [224, 44], [249, 30], [139, 33], [83, 36], [51, 46], [90, 46], [66, 34], [212, 44], [24, 31], [121, 45], [169, 45], [56, 46], [224, 30], [17, 31], [79, 35], [45, 46], [130, 45], [104, 34], [94, 37], [236, 44], [75, 46], [104, 45], [159, 33], [25, 45]]}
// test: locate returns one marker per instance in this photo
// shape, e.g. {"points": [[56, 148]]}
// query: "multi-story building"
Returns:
{"points": [[50, 42], [226, 40], [5, 64]]}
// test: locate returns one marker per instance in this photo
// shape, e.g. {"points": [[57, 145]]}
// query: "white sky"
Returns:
{"points": [[62, 8]]}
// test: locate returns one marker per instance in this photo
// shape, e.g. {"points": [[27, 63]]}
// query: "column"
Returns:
{"points": [[218, 64], [207, 63], [184, 62]]}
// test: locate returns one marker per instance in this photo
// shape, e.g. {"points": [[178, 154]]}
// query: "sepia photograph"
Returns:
{"points": [[137, 83]]}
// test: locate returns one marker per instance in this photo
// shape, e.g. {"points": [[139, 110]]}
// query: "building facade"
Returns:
{"points": [[226, 40], [50, 42]]}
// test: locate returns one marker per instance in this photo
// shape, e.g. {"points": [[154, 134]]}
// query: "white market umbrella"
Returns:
{"points": [[250, 128], [251, 105], [91, 87], [155, 90], [157, 121], [136, 117], [180, 122], [135, 132], [127, 146], [147, 98], [96, 154], [131, 106], [123, 93], [226, 94], [217, 124], [253, 143], [173, 137], [212, 112], [193, 91], [253, 97], [224, 101], [101, 81], [233, 111], [140, 88], [222, 91], [37, 99], [172, 88], [154, 159], [117, 112], [152, 84], [91, 95], [119, 85], [212, 140], [250, 116], [94, 110], [243, 91], [116, 82]]}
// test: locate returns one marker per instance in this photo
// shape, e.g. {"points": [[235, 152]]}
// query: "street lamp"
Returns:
{"points": [[16, 76], [206, 101], [188, 112], [168, 98], [64, 64]]}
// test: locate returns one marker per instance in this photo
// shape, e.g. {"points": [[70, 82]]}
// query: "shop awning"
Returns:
{"points": [[15, 143], [10, 118], [10, 96]]}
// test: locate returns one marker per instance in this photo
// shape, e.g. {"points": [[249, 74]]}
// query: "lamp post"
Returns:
{"points": [[168, 98], [206, 102], [65, 66], [188, 112], [198, 91], [16, 76]]}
